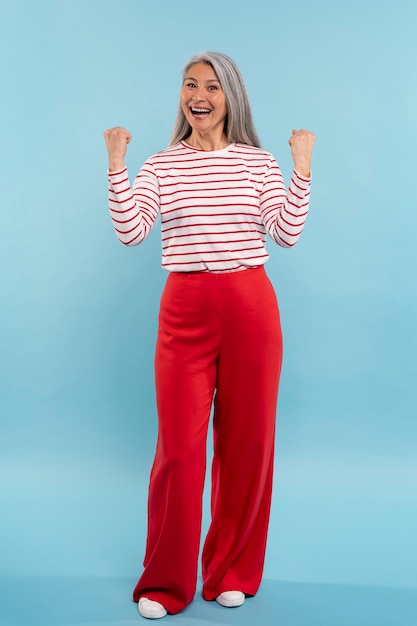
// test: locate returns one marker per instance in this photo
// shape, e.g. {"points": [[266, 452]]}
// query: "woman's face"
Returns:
{"points": [[202, 99]]}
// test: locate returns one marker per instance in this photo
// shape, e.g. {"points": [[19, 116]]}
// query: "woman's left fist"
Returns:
{"points": [[301, 143]]}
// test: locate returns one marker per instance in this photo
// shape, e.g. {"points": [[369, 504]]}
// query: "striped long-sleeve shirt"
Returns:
{"points": [[215, 207]]}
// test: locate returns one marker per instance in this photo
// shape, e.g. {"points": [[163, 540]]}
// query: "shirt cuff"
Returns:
{"points": [[302, 179], [116, 173]]}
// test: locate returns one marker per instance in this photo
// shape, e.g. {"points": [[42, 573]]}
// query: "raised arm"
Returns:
{"points": [[284, 212], [133, 212]]}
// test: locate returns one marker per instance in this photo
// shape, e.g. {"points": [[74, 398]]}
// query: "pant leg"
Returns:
{"points": [[185, 372], [244, 428]]}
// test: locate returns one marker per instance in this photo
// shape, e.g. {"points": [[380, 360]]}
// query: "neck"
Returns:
{"points": [[207, 143]]}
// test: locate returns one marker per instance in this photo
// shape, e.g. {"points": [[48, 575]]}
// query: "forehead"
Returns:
{"points": [[202, 72]]}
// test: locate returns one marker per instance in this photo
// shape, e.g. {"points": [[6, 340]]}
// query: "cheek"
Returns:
{"points": [[183, 99], [221, 105], [184, 106]]}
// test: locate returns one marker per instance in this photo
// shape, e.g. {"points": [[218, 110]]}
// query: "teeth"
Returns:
{"points": [[195, 110]]}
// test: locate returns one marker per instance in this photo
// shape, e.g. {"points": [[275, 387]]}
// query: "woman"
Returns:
{"points": [[219, 340]]}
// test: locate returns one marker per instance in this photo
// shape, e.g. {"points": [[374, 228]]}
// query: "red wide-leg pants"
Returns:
{"points": [[219, 338]]}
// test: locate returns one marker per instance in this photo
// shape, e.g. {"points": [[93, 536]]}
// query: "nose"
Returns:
{"points": [[198, 95]]}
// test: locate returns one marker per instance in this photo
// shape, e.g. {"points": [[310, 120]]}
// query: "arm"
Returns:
{"points": [[284, 213], [133, 212]]}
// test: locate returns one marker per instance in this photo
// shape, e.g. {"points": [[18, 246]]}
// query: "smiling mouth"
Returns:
{"points": [[200, 112]]}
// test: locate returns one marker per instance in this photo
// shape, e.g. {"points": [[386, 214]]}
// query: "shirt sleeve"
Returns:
{"points": [[133, 211], [284, 213]]}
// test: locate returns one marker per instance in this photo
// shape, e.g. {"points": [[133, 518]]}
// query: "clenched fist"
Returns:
{"points": [[302, 142], [116, 141]]}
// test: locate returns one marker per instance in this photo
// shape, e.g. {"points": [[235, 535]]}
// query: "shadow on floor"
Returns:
{"points": [[106, 602]]}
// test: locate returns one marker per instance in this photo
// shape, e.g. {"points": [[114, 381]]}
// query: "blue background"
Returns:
{"points": [[79, 311]]}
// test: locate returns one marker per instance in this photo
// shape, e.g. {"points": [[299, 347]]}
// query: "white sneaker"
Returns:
{"points": [[231, 598], [151, 609]]}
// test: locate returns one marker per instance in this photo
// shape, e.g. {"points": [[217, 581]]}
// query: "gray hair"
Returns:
{"points": [[238, 126]]}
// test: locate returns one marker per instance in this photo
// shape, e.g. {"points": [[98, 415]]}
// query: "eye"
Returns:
{"points": [[213, 88], [190, 84]]}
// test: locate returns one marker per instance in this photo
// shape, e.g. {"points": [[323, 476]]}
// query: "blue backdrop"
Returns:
{"points": [[79, 311]]}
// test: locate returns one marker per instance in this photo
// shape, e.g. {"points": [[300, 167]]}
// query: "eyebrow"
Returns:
{"points": [[210, 80]]}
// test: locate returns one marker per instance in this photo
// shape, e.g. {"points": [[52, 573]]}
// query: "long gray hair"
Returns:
{"points": [[238, 126]]}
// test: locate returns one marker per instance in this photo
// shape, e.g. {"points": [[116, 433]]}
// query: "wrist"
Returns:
{"points": [[115, 165], [303, 172], [303, 169]]}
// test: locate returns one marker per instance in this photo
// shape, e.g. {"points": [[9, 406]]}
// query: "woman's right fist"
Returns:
{"points": [[116, 142]]}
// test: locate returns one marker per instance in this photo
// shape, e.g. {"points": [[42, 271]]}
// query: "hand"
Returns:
{"points": [[116, 141], [302, 142]]}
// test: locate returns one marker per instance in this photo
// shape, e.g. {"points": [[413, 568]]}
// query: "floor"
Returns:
{"points": [[106, 602]]}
